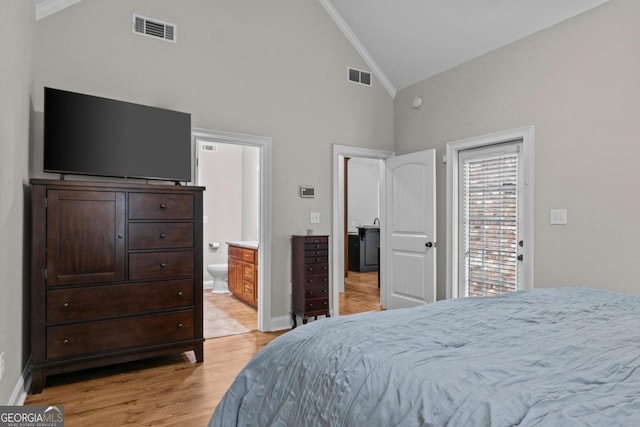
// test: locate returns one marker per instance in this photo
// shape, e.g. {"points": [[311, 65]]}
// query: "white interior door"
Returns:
{"points": [[410, 205]]}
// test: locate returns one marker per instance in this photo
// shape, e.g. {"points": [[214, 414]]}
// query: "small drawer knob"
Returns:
{"points": [[65, 341], [162, 206], [66, 305], [180, 326], [180, 293], [310, 269], [163, 265], [162, 235]]}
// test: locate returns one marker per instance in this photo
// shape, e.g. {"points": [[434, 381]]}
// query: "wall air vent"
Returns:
{"points": [[359, 76], [154, 28], [205, 146]]}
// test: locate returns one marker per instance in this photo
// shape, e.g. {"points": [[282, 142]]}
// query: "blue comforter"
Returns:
{"points": [[553, 357]]}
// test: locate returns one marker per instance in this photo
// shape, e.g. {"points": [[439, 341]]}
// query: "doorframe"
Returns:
{"points": [[527, 136], [264, 253], [339, 152]]}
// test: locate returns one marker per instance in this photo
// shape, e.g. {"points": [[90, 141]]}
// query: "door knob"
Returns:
{"points": [[429, 244]]}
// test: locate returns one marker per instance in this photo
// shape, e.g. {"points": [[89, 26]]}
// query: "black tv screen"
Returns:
{"points": [[90, 135]]}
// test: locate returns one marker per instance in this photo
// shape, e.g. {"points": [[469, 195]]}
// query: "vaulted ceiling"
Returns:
{"points": [[406, 41]]}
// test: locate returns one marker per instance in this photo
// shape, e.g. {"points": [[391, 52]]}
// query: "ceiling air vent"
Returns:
{"points": [[359, 76], [154, 28]]}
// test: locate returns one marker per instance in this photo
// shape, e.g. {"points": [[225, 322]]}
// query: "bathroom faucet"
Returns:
{"points": [[374, 221]]}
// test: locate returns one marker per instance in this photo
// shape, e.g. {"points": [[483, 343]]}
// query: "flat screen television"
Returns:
{"points": [[90, 135]]}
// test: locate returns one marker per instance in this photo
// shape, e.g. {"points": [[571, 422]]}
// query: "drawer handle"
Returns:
{"points": [[162, 235], [317, 252], [163, 265], [66, 305], [310, 281], [317, 246], [180, 326], [180, 293], [325, 279], [162, 206], [65, 341], [324, 291], [324, 268], [310, 269], [310, 293], [310, 305], [318, 259], [324, 303]]}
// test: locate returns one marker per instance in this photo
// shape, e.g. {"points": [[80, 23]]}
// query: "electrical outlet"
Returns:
{"points": [[314, 218], [1, 365]]}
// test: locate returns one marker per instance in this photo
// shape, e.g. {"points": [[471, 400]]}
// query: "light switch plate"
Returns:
{"points": [[314, 218], [558, 217]]}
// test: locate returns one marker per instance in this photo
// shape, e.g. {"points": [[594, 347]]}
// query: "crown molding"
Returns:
{"points": [[49, 7], [355, 42]]}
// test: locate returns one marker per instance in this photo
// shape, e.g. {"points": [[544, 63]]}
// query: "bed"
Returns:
{"points": [[557, 357]]}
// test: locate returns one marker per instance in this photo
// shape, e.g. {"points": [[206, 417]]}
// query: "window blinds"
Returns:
{"points": [[490, 224]]}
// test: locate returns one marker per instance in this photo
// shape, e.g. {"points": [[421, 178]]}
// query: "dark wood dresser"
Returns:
{"points": [[309, 277], [116, 274]]}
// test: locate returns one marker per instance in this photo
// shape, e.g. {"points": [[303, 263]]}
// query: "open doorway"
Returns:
{"points": [[232, 169], [358, 224]]}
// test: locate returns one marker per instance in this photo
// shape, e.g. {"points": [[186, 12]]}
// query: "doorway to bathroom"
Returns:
{"points": [[233, 168]]}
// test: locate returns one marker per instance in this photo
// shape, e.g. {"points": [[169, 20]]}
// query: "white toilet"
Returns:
{"points": [[219, 274]]}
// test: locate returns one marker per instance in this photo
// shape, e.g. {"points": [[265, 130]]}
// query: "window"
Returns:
{"points": [[489, 219]]}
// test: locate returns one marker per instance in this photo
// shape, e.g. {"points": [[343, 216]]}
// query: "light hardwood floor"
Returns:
{"points": [[174, 391]]}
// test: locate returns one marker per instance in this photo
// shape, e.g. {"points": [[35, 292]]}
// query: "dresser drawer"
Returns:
{"points": [[111, 335], [316, 280], [159, 265], [78, 304], [316, 246], [317, 304], [316, 252], [160, 206], [315, 259], [313, 292], [160, 235], [249, 255], [316, 268], [316, 239], [248, 272]]}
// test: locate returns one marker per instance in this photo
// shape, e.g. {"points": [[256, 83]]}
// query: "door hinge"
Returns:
{"points": [[46, 202], [520, 257], [45, 274]]}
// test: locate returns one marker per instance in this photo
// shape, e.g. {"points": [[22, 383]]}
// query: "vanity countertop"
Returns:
{"points": [[245, 244]]}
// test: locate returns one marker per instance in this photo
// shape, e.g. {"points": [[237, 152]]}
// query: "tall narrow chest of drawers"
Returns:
{"points": [[309, 277], [116, 274]]}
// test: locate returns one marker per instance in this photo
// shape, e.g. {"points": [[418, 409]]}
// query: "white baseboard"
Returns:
{"points": [[280, 323], [19, 394], [207, 284]]}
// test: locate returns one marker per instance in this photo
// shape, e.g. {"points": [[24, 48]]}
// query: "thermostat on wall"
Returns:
{"points": [[307, 192]]}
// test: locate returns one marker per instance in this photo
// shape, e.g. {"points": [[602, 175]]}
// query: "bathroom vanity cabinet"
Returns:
{"points": [[363, 249], [116, 274], [243, 272]]}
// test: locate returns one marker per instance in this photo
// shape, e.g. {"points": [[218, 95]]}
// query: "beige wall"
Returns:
{"points": [[578, 84], [275, 68], [16, 39]]}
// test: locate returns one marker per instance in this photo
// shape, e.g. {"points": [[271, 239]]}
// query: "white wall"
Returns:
{"points": [[221, 173], [363, 182], [265, 67], [250, 194], [16, 40], [578, 84]]}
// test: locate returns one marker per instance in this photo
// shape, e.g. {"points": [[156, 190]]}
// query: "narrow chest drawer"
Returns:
{"points": [[313, 292], [112, 335], [316, 304], [316, 253], [160, 206], [158, 265], [86, 303], [322, 279], [315, 246], [316, 268], [316, 259], [160, 235]]}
